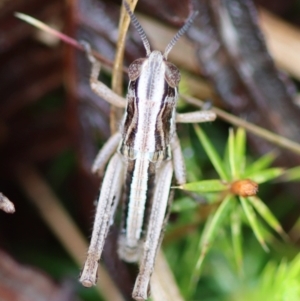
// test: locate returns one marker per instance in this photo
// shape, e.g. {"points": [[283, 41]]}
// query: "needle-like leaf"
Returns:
{"points": [[212, 153], [237, 239], [240, 150], [253, 221], [265, 175], [292, 174], [261, 163], [232, 155], [267, 215], [205, 186], [211, 226]]}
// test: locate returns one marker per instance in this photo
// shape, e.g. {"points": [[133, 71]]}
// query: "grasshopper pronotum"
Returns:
{"points": [[140, 172]]}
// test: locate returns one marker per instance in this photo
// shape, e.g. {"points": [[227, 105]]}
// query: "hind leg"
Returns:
{"points": [[107, 204], [154, 230]]}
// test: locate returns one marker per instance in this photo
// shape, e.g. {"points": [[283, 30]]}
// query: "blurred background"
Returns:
{"points": [[52, 125]]}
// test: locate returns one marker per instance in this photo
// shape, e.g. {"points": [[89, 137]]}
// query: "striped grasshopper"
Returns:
{"points": [[143, 155]]}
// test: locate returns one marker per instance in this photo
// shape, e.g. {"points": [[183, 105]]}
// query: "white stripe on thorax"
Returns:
{"points": [[149, 104]]}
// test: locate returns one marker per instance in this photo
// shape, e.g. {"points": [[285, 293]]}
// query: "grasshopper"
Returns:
{"points": [[143, 155]]}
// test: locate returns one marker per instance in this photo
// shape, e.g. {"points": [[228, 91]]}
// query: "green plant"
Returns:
{"points": [[235, 196], [277, 282]]}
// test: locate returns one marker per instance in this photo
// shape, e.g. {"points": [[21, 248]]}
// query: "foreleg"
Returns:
{"points": [[98, 87], [196, 117], [178, 160], [107, 204], [156, 221]]}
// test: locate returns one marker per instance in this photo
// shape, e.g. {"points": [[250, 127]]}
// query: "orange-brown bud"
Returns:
{"points": [[244, 188]]}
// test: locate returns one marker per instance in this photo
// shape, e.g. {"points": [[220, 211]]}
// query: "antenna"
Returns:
{"points": [[181, 32], [139, 28]]}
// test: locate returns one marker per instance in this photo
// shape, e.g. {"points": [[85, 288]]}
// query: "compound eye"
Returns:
{"points": [[134, 70], [172, 75]]}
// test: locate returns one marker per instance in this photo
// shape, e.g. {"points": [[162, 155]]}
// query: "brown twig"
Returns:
{"points": [[68, 40], [258, 131], [117, 75]]}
